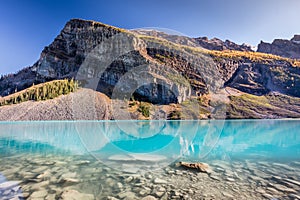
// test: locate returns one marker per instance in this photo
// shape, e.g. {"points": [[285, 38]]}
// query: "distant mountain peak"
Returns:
{"points": [[220, 45], [282, 47], [296, 38]]}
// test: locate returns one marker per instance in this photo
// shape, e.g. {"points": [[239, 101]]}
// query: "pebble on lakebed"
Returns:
{"points": [[81, 177]]}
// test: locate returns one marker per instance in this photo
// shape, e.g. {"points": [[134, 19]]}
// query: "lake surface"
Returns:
{"points": [[249, 159]]}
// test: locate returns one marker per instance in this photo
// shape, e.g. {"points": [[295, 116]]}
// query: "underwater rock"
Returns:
{"points": [[149, 197], [9, 184], [127, 195], [159, 181], [74, 194], [39, 194], [201, 167]]}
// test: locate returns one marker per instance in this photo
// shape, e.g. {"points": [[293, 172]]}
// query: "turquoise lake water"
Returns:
{"points": [[145, 146], [265, 139]]}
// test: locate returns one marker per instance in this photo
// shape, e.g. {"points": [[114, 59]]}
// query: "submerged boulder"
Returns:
{"points": [[201, 167]]}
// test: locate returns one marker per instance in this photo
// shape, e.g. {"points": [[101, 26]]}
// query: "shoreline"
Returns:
{"points": [[137, 120]]}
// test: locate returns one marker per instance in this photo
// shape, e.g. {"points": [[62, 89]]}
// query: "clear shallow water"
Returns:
{"points": [[250, 159]]}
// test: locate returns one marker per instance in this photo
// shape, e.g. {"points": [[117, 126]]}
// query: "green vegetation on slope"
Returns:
{"points": [[144, 108], [248, 106], [255, 57], [175, 115], [44, 91], [269, 106]]}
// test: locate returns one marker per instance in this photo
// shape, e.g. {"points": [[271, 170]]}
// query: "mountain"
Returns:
{"points": [[175, 76], [285, 48]]}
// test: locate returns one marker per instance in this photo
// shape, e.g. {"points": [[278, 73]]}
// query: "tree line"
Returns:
{"points": [[41, 92]]}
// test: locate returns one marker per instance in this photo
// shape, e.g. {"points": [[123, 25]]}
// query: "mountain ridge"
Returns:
{"points": [[282, 47], [175, 70], [204, 42]]}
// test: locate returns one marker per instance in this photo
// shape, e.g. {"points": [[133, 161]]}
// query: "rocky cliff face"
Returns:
{"points": [[285, 48], [91, 47], [66, 53], [260, 79]]}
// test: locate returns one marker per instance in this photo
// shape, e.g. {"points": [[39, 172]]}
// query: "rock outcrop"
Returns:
{"points": [[217, 44], [260, 79], [285, 48]]}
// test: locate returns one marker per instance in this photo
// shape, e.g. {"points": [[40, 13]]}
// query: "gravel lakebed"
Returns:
{"points": [[49, 177]]}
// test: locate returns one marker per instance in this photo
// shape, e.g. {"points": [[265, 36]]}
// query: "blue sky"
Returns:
{"points": [[27, 26]]}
